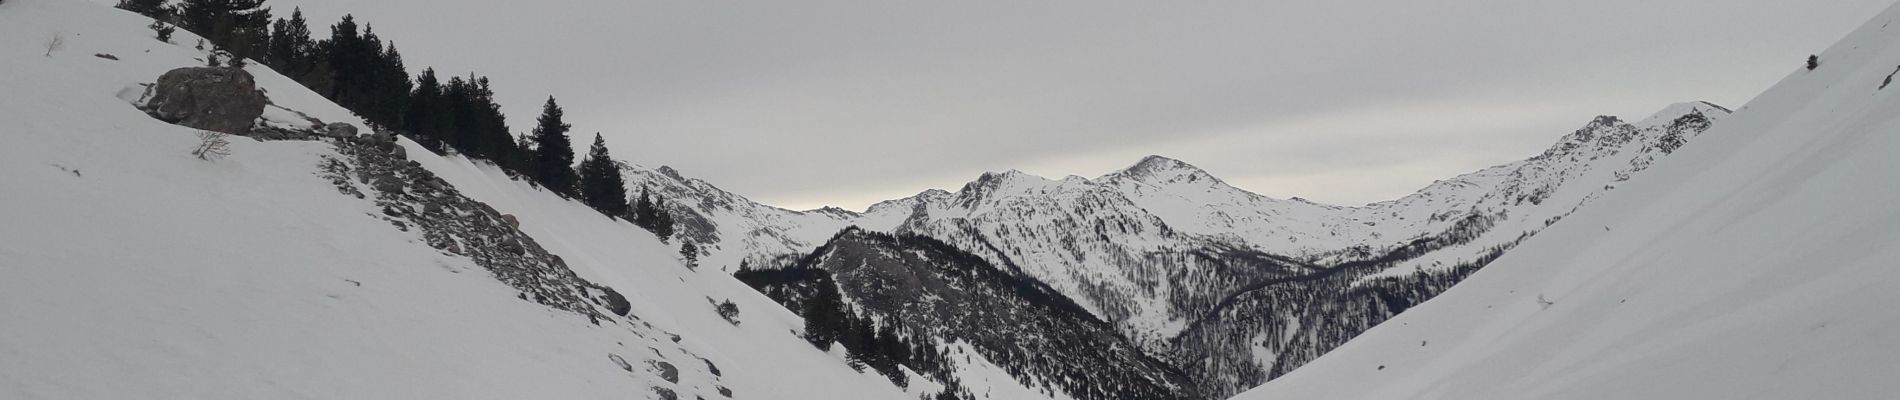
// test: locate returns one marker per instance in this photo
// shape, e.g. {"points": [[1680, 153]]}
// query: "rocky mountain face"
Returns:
{"points": [[1232, 287], [934, 289]]}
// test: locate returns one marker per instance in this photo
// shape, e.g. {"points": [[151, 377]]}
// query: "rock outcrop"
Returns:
{"points": [[214, 99]]}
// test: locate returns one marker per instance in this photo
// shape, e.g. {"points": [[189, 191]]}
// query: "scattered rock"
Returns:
{"points": [[339, 130], [622, 362], [617, 303], [510, 219], [214, 99], [666, 370], [665, 394], [723, 391], [387, 184], [107, 56]]}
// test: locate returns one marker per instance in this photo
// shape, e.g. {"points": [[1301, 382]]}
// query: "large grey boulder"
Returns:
{"points": [[214, 99]]}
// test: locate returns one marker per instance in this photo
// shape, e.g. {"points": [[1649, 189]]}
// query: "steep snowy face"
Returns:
{"points": [[1753, 263], [1450, 230], [132, 269], [1193, 201]]}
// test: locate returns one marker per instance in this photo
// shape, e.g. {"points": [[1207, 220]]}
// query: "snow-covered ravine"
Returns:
{"points": [[131, 269], [1757, 264]]}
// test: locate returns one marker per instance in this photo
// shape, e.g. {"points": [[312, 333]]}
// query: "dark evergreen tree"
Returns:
{"points": [[642, 213], [662, 219], [554, 151], [601, 184], [162, 31], [689, 254], [822, 318], [150, 8], [291, 49], [389, 87], [427, 119], [241, 27]]}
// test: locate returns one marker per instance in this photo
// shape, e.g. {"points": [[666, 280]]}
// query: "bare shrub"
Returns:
{"points": [[212, 146], [57, 43]]}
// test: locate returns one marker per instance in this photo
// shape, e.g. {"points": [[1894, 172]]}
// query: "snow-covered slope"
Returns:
{"points": [[1757, 263], [130, 269]]}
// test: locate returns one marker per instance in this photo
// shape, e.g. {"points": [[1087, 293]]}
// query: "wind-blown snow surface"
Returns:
{"points": [[1755, 264], [130, 269]]}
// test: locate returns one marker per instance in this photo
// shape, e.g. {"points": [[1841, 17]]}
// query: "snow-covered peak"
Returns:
{"points": [[1676, 111], [992, 186], [1162, 171], [834, 212]]}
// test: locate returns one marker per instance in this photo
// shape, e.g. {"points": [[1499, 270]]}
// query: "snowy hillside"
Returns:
{"points": [[1754, 264], [132, 269]]}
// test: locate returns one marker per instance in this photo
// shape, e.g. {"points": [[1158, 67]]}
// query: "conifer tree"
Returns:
{"points": [[601, 184], [819, 320], [161, 31], [150, 8], [291, 48], [689, 254], [555, 153], [642, 213], [427, 118], [662, 219], [240, 26]]}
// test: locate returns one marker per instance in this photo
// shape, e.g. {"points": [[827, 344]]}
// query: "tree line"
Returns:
{"points": [[359, 70]]}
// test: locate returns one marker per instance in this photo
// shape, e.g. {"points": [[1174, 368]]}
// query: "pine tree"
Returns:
{"points": [[817, 330], [662, 219], [554, 152], [162, 31], [689, 254], [642, 214], [427, 119], [240, 26], [150, 8], [347, 55], [291, 48], [601, 184]]}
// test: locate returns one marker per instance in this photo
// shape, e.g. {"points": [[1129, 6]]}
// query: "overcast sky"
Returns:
{"points": [[802, 104]]}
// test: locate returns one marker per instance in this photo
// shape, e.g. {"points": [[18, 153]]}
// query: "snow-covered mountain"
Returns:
{"points": [[1755, 264], [1202, 272]]}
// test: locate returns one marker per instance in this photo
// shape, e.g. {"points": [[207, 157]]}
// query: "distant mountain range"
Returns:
{"points": [[1230, 286]]}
